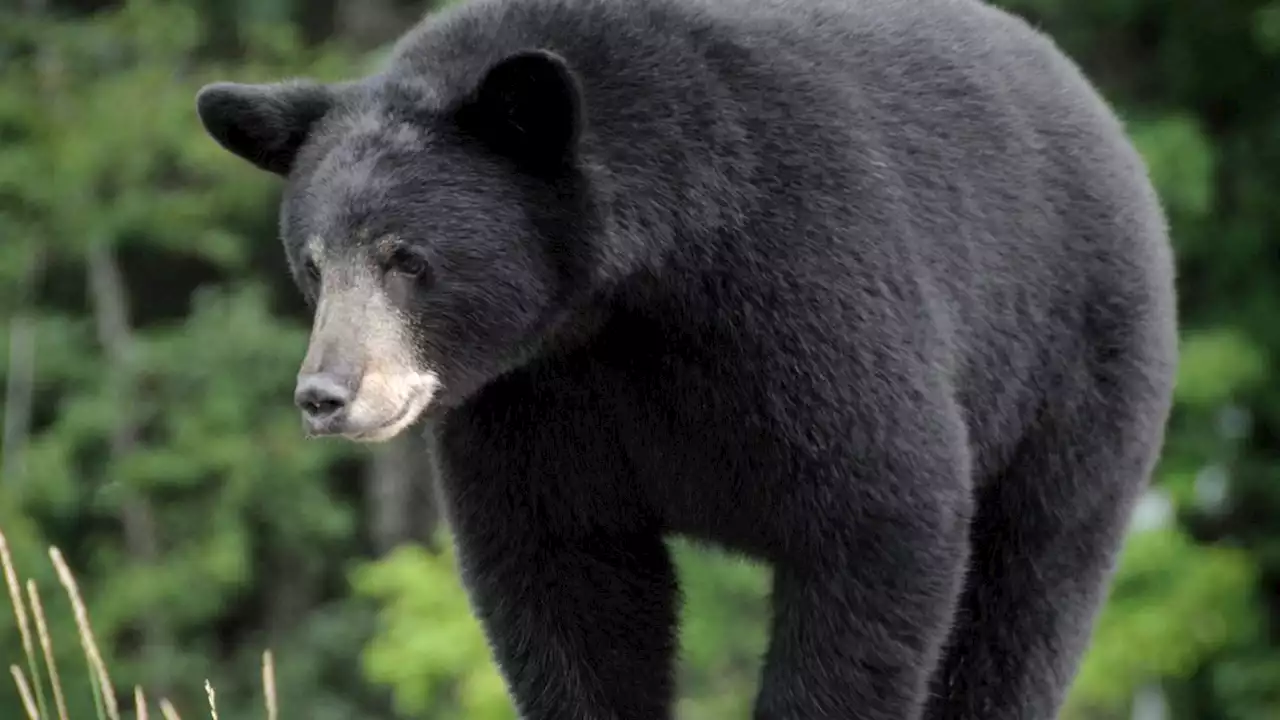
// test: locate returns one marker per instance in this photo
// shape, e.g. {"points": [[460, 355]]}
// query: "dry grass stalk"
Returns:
{"points": [[97, 668], [166, 710], [24, 691], [46, 647], [269, 685], [213, 703], [24, 627], [139, 703], [100, 681]]}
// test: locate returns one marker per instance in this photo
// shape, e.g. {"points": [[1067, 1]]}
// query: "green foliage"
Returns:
{"points": [[1215, 365], [109, 169], [724, 632], [1173, 604], [431, 651], [1180, 160], [429, 648]]}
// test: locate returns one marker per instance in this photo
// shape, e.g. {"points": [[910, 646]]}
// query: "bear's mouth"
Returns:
{"points": [[407, 415]]}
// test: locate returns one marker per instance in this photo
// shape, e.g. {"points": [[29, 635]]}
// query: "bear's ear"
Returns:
{"points": [[264, 124], [528, 108]]}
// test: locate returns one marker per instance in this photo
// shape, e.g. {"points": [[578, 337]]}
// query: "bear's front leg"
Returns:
{"points": [[577, 595], [580, 629]]}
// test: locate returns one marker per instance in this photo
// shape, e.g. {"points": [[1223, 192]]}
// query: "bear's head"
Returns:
{"points": [[436, 238]]}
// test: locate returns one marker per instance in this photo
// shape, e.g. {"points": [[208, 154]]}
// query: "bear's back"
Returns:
{"points": [[830, 154], [940, 115]]}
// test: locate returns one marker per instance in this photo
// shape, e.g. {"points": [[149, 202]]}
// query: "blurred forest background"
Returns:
{"points": [[152, 338]]}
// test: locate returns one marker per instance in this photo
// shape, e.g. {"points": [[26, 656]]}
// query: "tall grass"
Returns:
{"points": [[31, 681]]}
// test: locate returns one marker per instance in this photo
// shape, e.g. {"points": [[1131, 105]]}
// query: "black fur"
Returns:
{"points": [[873, 290]]}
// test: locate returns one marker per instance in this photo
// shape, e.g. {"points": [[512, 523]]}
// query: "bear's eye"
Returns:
{"points": [[312, 269], [409, 263]]}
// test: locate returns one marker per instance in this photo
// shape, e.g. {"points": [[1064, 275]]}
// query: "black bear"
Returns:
{"points": [[875, 291]]}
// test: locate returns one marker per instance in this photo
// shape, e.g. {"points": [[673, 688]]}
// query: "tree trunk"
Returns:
{"points": [[400, 504], [111, 315], [20, 382]]}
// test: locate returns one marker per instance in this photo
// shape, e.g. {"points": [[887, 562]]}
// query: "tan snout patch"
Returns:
{"points": [[361, 328]]}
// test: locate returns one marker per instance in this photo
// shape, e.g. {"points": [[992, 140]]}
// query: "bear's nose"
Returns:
{"points": [[323, 399]]}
